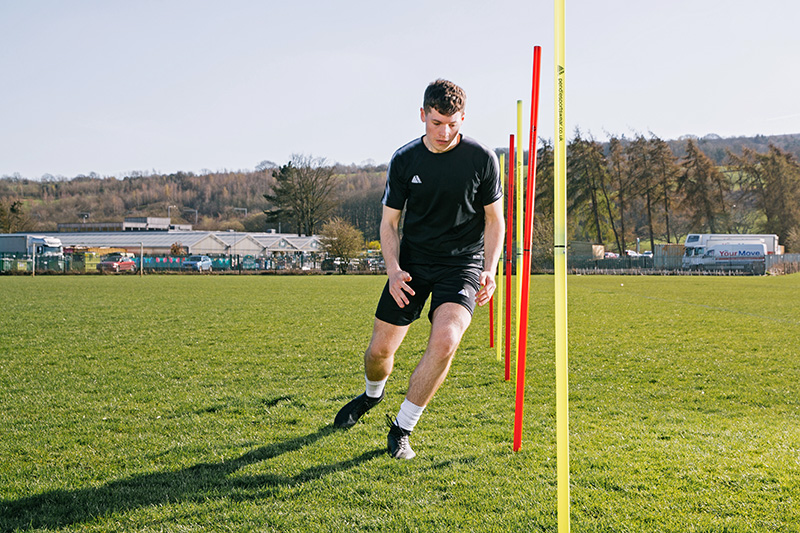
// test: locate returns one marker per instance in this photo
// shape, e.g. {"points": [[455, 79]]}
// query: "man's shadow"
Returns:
{"points": [[59, 508]]}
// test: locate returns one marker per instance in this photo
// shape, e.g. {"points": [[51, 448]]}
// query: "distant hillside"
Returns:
{"points": [[214, 201], [717, 147], [235, 200]]}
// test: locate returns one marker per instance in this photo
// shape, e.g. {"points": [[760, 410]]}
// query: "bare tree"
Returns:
{"points": [[303, 192]]}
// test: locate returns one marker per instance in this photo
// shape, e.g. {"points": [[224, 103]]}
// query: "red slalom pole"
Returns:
{"points": [[509, 253], [526, 251]]}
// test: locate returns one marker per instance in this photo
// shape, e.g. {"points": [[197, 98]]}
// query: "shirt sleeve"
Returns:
{"points": [[396, 191], [491, 188]]}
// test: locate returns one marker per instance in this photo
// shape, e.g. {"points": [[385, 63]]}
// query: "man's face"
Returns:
{"points": [[441, 131]]}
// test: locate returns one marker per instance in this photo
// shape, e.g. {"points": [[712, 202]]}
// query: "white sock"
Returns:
{"points": [[375, 388], [409, 415]]}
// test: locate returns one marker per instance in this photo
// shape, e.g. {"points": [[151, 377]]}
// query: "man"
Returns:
{"points": [[452, 238]]}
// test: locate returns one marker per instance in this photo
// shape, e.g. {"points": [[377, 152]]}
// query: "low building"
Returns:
{"points": [[129, 224], [269, 250]]}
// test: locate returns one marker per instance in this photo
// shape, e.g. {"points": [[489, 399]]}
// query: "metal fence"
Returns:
{"points": [[621, 263], [83, 262], [775, 264], [783, 264]]}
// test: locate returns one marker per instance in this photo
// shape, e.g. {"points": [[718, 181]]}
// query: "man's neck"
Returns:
{"points": [[433, 149]]}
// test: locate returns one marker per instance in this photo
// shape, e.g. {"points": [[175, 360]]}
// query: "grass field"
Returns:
{"points": [[191, 403]]}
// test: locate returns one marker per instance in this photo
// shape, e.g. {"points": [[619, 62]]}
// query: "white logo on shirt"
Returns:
{"points": [[416, 179]]}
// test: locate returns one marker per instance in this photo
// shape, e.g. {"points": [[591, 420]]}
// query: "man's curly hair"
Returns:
{"points": [[445, 97]]}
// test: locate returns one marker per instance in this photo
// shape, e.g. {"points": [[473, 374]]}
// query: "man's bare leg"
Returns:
{"points": [[378, 364], [379, 357], [450, 321]]}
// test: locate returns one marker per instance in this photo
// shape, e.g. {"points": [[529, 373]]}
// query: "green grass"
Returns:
{"points": [[177, 403]]}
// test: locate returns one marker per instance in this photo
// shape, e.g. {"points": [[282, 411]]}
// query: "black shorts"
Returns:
{"points": [[444, 283]]}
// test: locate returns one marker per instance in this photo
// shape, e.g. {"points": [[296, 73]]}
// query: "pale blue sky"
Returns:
{"points": [[113, 87]]}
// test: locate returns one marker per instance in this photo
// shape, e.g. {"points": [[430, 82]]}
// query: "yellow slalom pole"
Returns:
{"points": [[520, 218], [498, 293], [560, 257]]}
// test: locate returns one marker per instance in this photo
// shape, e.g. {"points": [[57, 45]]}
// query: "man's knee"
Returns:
{"points": [[445, 342], [379, 351], [449, 324], [386, 339]]}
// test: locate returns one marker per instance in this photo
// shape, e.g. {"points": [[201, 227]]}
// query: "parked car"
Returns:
{"points": [[197, 263], [117, 263]]}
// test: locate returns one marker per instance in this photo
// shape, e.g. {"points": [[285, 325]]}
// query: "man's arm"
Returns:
{"points": [[494, 229], [390, 248]]}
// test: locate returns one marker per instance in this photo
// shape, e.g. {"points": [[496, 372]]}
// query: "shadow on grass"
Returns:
{"points": [[59, 508]]}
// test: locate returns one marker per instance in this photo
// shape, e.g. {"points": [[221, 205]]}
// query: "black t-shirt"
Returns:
{"points": [[444, 195]]}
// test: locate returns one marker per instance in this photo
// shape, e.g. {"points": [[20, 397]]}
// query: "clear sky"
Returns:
{"points": [[112, 86]]}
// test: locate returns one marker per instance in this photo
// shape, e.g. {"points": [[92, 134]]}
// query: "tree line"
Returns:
{"points": [[641, 187], [620, 190], [224, 200]]}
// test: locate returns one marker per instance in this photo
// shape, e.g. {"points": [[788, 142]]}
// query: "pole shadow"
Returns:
{"points": [[60, 508]]}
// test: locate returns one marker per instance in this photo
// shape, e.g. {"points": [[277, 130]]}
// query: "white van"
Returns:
{"points": [[697, 245], [745, 257]]}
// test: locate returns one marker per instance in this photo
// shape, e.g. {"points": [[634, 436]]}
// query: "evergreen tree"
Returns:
{"points": [[704, 190], [13, 217], [587, 170], [621, 180], [666, 171], [773, 181], [643, 177]]}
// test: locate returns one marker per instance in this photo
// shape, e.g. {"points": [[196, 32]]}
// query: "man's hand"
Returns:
{"points": [[487, 288], [398, 287]]}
